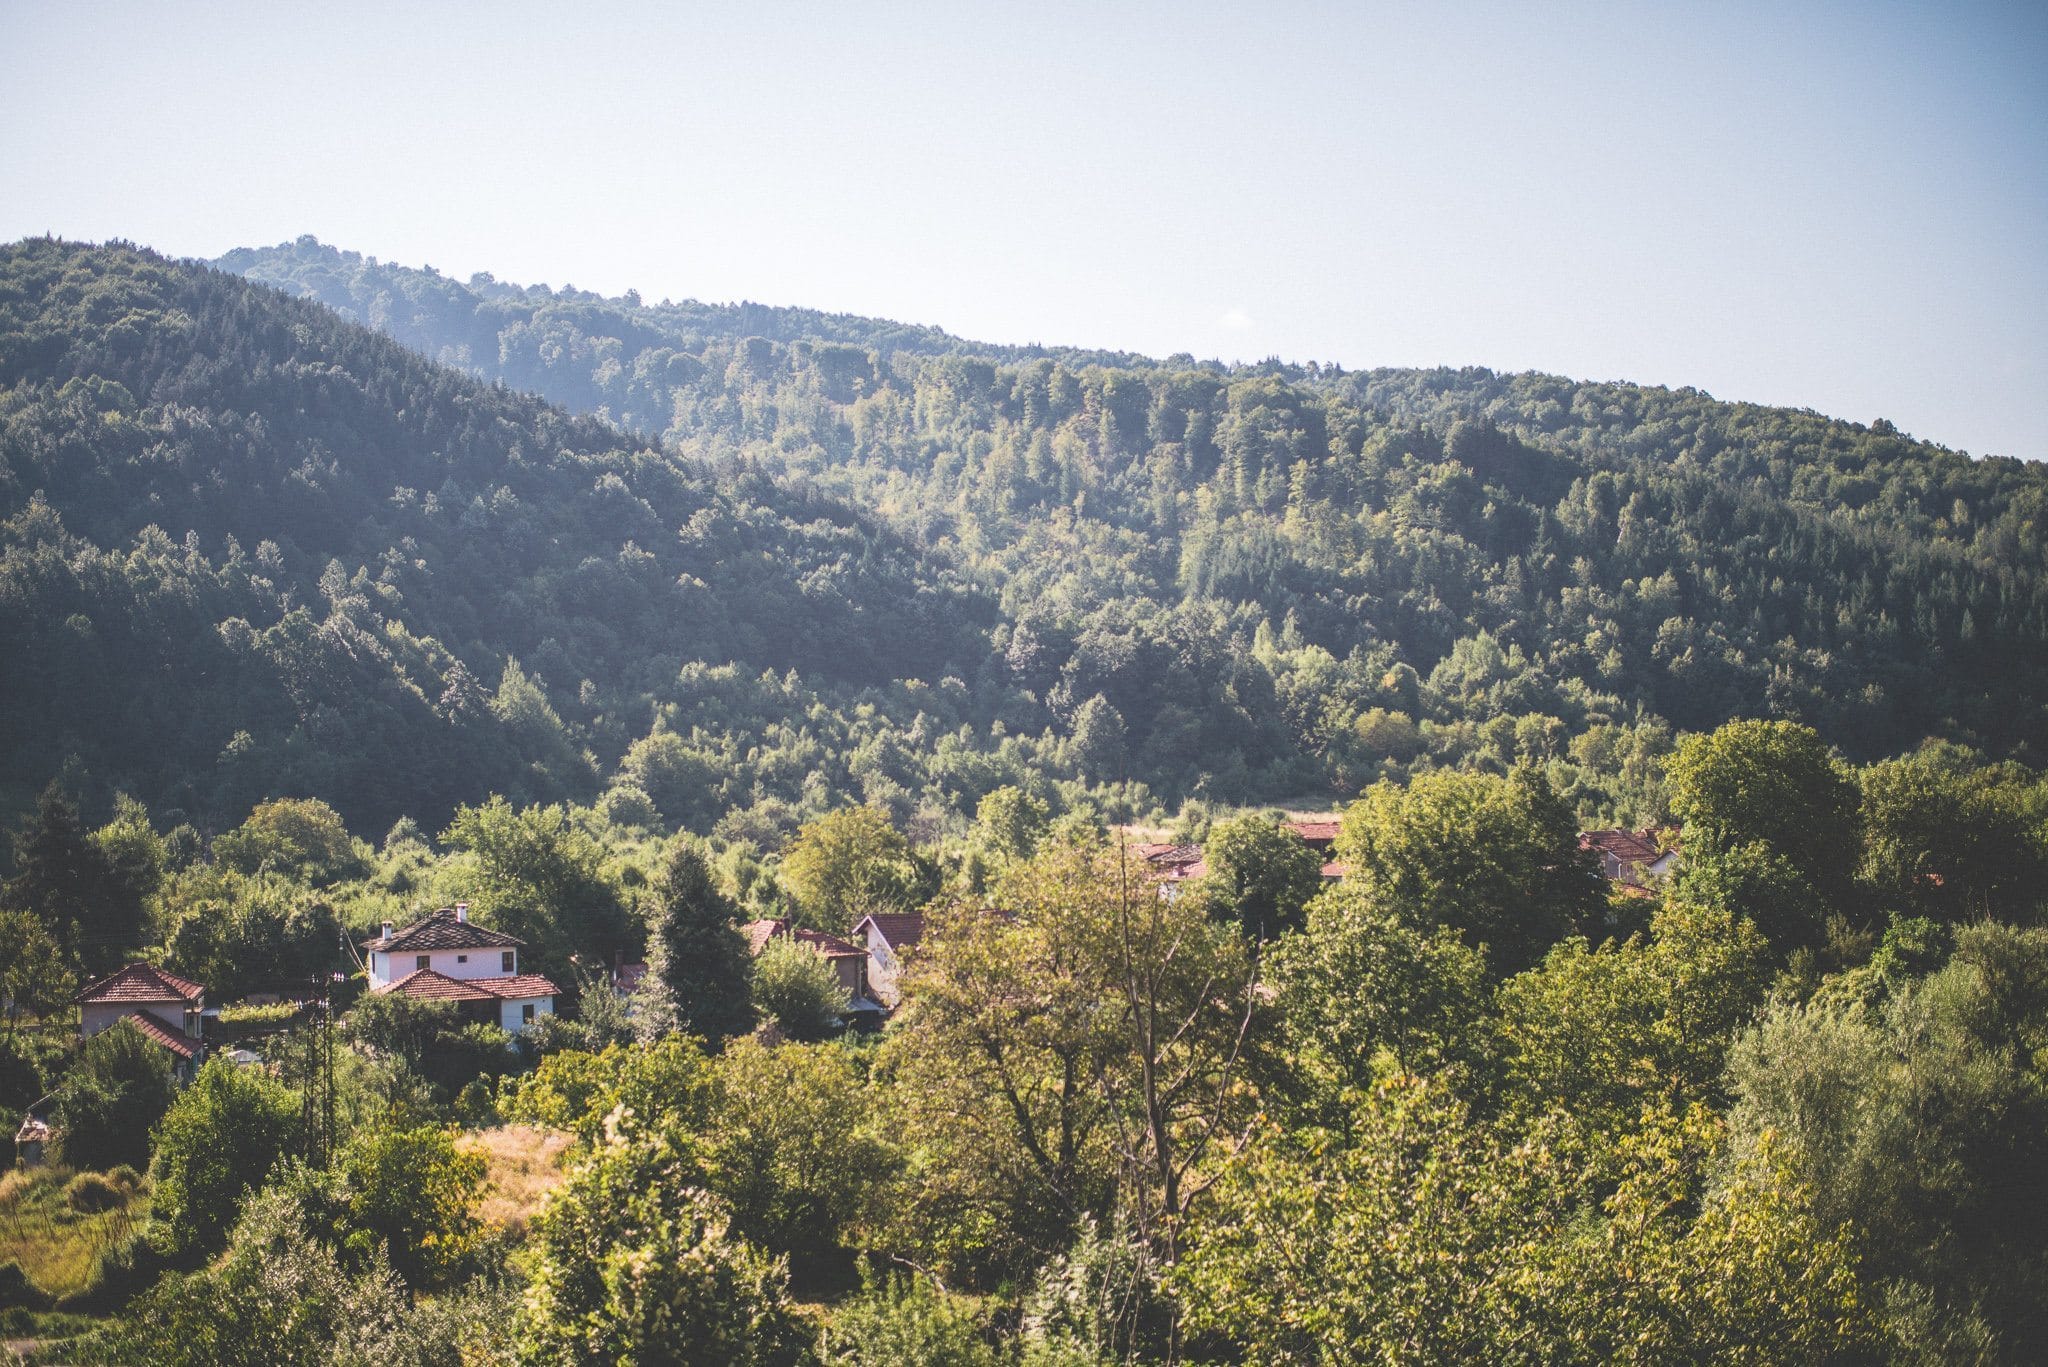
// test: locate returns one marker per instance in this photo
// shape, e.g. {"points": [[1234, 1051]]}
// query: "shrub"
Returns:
{"points": [[17, 1291], [90, 1193]]}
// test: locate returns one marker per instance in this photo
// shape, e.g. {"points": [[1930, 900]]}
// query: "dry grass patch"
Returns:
{"points": [[55, 1243], [523, 1163]]}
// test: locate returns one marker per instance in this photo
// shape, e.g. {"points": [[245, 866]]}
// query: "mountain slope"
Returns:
{"points": [[1645, 550], [250, 546]]}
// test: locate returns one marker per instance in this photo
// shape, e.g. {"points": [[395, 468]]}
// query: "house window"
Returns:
{"points": [[526, 1014], [506, 960], [423, 961], [462, 958]]}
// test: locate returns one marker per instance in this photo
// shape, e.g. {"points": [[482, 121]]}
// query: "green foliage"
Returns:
{"points": [[1950, 840], [795, 1144], [218, 1142], [1604, 1034], [1009, 822], [699, 975], [1261, 875], [69, 882], [634, 1262], [797, 988], [279, 1296], [541, 878], [35, 977], [846, 864], [1919, 1119], [901, 1321], [413, 1192], [301, 838], [1357, 981], [1769, 784], [664, 1084], [1496, 859], [240, 933], [112, 1098]]}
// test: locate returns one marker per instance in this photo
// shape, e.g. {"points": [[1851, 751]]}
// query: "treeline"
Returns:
{"points": [[1471, 1103], [1290, 578]]}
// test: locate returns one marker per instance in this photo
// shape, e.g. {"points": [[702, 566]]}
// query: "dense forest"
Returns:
{"points": [[1286, 580], [661, 638]]}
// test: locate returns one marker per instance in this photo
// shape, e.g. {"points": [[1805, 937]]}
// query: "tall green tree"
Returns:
{"points": [[112, 1098], [65, 878], [1497, 859], [1261, 875], [633, 1261], [697, 961], [217, 1143], [1755, 793]]}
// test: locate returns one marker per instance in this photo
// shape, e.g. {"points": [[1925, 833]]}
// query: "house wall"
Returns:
{"points": [[513, 1019], [94, 1017], [883, 966], [852, 974], [456, 963]]}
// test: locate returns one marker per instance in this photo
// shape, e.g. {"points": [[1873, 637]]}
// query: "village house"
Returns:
{"points": [[167, 1009], [448, 957], [887, 934], [849, 962], [1634, 859], [33, 1140]]}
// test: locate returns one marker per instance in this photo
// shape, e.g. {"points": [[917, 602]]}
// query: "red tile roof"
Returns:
{"points": [[1168, 856], [899, 929], [1317, 830], [759, 933], [1334, 870], [443, 930], [426, 984], [162, 1034], [141, 983], [1626, 855]]}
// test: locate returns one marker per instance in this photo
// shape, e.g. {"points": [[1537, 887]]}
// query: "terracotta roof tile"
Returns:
{"points": [[900, 929], [141, 983], [1317, 830], [759, 933], [426, 984], [442, 930], [159, 1033]]}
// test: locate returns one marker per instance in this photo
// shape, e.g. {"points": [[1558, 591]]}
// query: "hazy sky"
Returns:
{"points": [[1841, 207]]}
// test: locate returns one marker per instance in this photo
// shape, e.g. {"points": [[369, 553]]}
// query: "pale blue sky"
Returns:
{"points": [[1839, 207]]}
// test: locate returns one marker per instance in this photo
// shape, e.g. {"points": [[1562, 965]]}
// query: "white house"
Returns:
{"points": [[448, 957], [166, 1008]]}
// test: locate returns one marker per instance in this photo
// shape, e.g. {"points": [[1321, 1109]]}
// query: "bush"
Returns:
{"points": [[123, 1271], [91, 1193], [899, 1322], [795, 987], [17, 1291]]}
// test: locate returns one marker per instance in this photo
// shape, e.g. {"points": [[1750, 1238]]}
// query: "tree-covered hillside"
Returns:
{"points": [[251, 548], [1286, 579]]}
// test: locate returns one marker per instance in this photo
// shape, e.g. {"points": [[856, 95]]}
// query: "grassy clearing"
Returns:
{"points": [[524, 1164], [56, 1245]]}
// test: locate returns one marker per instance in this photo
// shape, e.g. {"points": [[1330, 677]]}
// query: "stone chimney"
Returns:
{"points": [[462, 912], [387, 930]]}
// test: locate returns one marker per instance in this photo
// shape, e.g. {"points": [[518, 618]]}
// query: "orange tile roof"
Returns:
{"points": [[443, 930], [1316, 830], [427, 984], [759, 933], [159, 1033], [899, 928], [141, 983]]}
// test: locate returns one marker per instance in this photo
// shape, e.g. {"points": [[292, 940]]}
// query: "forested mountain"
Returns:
{"points": [[251, 548], [1290, 580]]}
